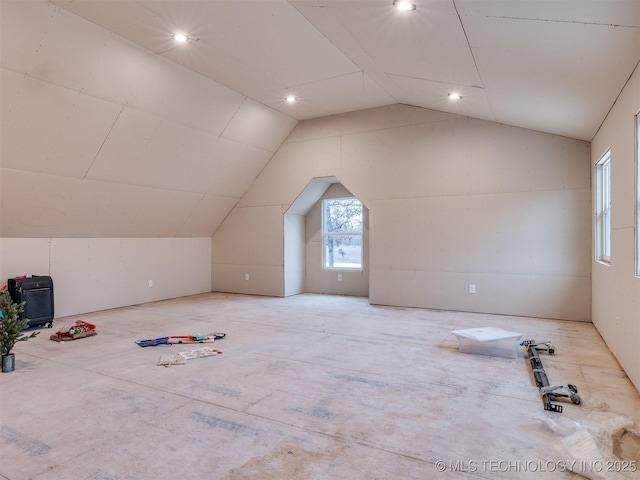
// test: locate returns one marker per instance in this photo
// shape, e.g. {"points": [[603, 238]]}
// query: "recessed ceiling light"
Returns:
{"points": [[455, 96], [404, 5], [291, 99], [180, 37]]}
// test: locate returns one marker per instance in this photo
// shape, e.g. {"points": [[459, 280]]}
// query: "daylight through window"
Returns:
{"points": [[342, 233], [603, 208]]}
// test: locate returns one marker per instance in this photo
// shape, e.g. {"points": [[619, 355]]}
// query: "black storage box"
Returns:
{"points": [[37, 293]]}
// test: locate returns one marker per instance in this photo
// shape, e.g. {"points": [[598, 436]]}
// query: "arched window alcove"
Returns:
{"points": [[307, 267]]}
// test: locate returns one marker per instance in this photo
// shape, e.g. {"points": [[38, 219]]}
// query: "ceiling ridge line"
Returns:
{"points": [[432, 80], [361, 71], [475, 62], [372, 71]]}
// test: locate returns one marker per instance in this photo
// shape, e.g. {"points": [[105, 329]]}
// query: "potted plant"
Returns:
{"points": [[11, 329]]}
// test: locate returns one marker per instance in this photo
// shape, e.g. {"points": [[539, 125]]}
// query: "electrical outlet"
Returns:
{"points": [[246, 276], [339, 277], [151, 283], [472, 288]]}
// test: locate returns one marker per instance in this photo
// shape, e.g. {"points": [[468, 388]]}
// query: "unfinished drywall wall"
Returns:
{"points": [[338, 282], [109, 154], [249, 252], [452, 202], [616, 288], [102, 138], [294, 247], [91, 274]]}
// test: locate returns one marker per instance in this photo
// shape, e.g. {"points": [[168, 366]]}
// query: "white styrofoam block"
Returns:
{"points": [[490, 341]]}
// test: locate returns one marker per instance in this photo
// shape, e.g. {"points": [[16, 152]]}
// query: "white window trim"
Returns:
{"points": [[603, 209], [637, 171], [352, 233]]}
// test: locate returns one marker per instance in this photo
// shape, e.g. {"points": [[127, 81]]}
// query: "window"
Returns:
{"points": [[342, 233], [638, 194], [603, 208]]}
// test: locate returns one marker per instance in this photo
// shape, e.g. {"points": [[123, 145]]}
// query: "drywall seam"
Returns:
{"points": [[106, 137], [122, 183]]}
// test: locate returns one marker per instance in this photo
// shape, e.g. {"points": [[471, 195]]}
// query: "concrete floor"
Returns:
{"points": [[310, 387]]}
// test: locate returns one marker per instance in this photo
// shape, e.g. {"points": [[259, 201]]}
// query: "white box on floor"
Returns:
{"points": [[495, 342]]}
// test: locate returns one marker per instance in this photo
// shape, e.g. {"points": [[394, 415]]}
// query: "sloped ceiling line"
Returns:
{"points": [[616, 101]]}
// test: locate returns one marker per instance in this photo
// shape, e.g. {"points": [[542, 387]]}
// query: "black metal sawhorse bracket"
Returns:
{"points": [[548, 392]]}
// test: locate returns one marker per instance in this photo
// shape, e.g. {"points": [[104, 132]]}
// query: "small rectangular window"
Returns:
{"points": [[342, 233], [603, 208]]}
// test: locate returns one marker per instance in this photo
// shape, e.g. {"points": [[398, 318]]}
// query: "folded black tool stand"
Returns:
{"points": [[548, 392]]}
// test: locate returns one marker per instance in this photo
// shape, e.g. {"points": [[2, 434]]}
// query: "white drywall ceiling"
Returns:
{"points": [[553, 66]]}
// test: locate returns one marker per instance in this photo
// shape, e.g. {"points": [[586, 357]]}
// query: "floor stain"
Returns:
{"points": [[285, 461]]}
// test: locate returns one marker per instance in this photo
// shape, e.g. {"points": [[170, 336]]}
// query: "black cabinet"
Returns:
{"points": [[37, 293]]}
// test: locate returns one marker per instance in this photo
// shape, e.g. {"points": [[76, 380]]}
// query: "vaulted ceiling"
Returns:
{"points": [[122, 132], [554, 66]]}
